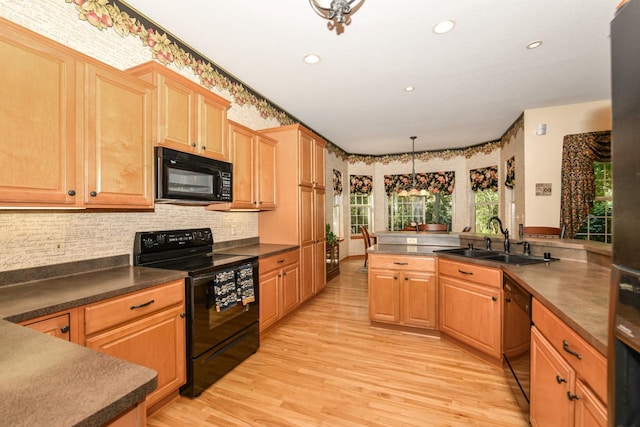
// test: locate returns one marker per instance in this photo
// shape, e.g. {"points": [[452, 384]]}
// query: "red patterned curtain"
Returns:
{"points": [[337, 182], [361, 184], [484, 178], [434, 182], [579, 151]]}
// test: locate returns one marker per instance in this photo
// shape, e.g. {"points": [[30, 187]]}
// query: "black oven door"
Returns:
{"points": [[214, 318]]}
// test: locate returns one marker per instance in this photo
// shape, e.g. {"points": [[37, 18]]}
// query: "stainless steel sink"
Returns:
{"points": [[502, 257]]}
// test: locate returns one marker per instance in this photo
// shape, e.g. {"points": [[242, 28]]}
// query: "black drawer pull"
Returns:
{"points": [[400, 263], [565, 347], [572, 396], [65, 329], [280, 261], [465, 272], [144, 304], [560, 380]]}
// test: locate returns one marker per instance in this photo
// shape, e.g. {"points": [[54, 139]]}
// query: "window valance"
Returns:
{"points": [[484, 178], [361, 185], [337, 183], [510, 180], [434, 182]]}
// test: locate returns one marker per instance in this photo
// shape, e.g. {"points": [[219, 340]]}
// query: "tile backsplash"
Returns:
{"points": [[37, 238]]}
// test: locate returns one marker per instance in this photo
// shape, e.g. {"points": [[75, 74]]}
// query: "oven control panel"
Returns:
{"points": [[162, 241]]}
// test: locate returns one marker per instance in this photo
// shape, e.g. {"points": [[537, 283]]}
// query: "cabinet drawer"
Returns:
{"points": [[115, 311], [592, 366], [275, 262], [471, 272], [395, 262]]}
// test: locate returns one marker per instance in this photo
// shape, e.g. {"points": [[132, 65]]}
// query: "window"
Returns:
{"points": [[485, 206], [597, 226], [336, 224], [361, 201], [432, 208], [485, 202]]}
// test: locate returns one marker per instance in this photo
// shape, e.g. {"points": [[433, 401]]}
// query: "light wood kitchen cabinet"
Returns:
{"points": [[254, 170], [279, 287], [300, 218], [470, 307], [77, 132], [402, 290], [145, 327], [568, 376], [190, 118], [63, 325]]}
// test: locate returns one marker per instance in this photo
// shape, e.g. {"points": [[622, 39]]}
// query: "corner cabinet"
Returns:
{"points": [[190, 118], [300, 218], [403, 290], [63, 325], [254, 170], [145, 327], [471, 305], [568, 376], [77, 133]]}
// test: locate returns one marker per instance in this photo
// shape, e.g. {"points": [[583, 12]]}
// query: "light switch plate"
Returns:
{"points": [[412, 240]]}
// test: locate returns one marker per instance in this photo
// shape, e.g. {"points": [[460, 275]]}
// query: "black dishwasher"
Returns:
{"points": [[516, 339]]}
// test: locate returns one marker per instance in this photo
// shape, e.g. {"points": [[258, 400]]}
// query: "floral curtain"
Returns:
{"points": [[510, 180], [579, 151], [337, 183], [361, 185], [434, 182], [484, 178]]}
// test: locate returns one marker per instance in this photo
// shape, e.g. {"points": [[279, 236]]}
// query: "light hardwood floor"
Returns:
{"points": [[326, 366]]}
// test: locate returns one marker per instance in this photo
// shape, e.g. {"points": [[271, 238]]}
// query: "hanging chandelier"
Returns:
{"points": [[413, 191], [339, 11]]}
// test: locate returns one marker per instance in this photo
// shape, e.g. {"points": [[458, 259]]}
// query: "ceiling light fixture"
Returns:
{"points": [[444, 27], [413, 191], [534, 44], [311, 58], [339, 11], [409, 89]]}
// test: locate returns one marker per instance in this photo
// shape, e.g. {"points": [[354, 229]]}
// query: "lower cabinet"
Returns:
{"points": [[279, 287], [568, 377], [402, 290], [147, 328], [60, 325], [471, 305]]}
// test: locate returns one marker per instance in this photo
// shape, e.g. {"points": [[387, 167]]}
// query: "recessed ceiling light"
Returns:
{"points": [[443, 27], [311, 58], [534, 44], [409, 89]]}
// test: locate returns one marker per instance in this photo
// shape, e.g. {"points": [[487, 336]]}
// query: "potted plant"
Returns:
{"points": [[331, 237]]}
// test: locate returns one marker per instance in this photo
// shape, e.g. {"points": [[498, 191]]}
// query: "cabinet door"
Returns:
{"points": [[551, 379], [320, 266], [157, 342], [306, 216], [306, 149], [590, 412], [307, 272], [269, 305], [119, 148], [242, 157], [212, 121], [266, 171], [176, 115], [384, 301], [472, 314], [319, 165], [419, 299], [38, 97], [290, 290], [58, 326]]}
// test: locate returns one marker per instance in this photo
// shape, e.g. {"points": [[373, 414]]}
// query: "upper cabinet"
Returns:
{"points": [[76, 132], [312, 160], [190, 118]]}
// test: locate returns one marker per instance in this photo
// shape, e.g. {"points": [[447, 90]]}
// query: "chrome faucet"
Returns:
{"points": [[502, 230]]}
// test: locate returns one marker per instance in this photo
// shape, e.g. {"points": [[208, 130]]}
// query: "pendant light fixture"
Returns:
{"points": [[413, 191], [339, 11]]}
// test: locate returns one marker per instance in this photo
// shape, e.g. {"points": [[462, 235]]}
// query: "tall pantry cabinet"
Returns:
{"points": [[300, 216]]}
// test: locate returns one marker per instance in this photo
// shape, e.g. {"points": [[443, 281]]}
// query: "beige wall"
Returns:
{"points": [[543, 154]]}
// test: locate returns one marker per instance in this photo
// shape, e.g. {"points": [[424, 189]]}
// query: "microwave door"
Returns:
{"points": [[187, 182]]}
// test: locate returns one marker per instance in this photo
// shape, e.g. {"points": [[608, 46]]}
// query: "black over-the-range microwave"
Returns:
{"points": [[186, 178]]}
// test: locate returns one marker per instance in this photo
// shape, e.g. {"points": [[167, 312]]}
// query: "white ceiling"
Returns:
{"points": [[471, 84]]}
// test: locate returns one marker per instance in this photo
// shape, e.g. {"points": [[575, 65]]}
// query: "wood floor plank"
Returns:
{"points": [[326, 366]]}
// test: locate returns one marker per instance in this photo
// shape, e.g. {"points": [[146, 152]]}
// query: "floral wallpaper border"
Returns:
{"points": [[164, 47]]}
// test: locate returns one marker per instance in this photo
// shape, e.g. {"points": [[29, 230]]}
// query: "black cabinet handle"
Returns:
{"points": [[71, 192], [572, 396], [565, 347], [507, 299], [183, 315], [560, 379], [144, 304], [193, 144], [465, 272], [395, 277], [280, 261], [65, 329], [204, 147], [400, 263], [93, 194], [494, 298], [406, 279]]}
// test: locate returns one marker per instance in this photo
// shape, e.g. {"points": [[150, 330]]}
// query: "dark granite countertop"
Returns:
{"points": [[259, 249], [49, 381], [577, 292]]}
